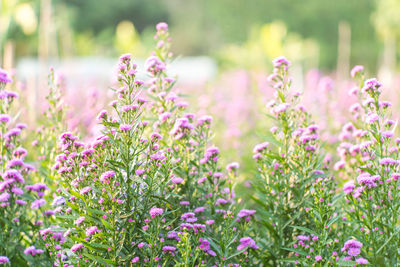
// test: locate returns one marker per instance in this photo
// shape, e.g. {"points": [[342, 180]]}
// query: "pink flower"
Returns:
{"points": [[281, 62], [177, 180], [155, 212], [106, 176], [362, 261], [85, 190], [356, 70], [348, 187], [245, 213], [76, 247], [162, 26], [4, 259], [91, 230], [246, 242], [139, 171], [353, 247], [232, 166], [79, 220], [4, 77], [125, 127]]}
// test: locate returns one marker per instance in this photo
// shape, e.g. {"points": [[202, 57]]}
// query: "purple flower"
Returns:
{"points": [[246, 242], [125, 127], [232, 166], [187, 215], [204, 119], [387, 161], [353, 247], [356, 70], [281, 62], [125, 57], [4, 118], [85, 190], [281, 108], [4, 77], [371, 118], [170, 249], [245, 213], [4, 259], [4, 197], [303, 238], [139, 171], [38, 203], [177, 180], [318, 258], [387, 134], [15, 163], [14, 175], [32, 251], [367, 180], [155, 212], [102, 115], [91, 230], [79, 220], [37, 187], [371, 85], [348, 187], [362, 261], [76, 247], [20, 202], [164, 116], [260, 147], [20, 152], [339, 165], [162, 26], [107, 175], [154, 65], [173, 235], [58, 201], [199, 209], [221, 201]]}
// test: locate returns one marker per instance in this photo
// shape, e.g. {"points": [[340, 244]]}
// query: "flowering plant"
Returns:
{"points": [[149, 189], [19, 225], [370, 164], [295, 195]]}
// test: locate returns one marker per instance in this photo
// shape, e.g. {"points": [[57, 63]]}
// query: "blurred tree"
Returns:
{"points": [[230, 21], [97, 15], [200, 27], [386, 20]]}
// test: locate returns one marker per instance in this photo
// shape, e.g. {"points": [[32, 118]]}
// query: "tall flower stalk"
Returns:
{"points": [[293, 191], [21, 201], [370, 165]]}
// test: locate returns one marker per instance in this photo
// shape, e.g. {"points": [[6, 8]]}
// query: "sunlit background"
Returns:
{"points": [[223, 51]]}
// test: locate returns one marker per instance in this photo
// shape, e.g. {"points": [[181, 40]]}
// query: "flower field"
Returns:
{"points": [[321, 186]]}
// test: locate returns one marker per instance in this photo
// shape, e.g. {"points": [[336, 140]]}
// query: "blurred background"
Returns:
{"points": [[224, 50]]}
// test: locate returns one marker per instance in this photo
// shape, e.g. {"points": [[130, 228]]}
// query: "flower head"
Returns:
{"points": [[154, 212], [4, 77]]}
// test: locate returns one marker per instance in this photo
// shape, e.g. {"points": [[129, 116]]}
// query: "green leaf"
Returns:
{"points": [[99, 259], [305, 230], [107, 225], [345, 263], [296, 251]]}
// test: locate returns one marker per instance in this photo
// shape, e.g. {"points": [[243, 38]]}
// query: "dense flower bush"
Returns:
{"points": [[370, 165], [294, 192], [151, 189], [21, 201]]}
